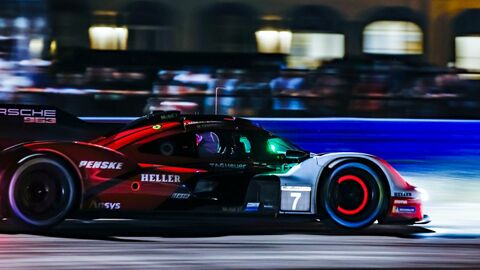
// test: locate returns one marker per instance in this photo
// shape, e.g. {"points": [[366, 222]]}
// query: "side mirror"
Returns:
{"points": [[294, 154]]}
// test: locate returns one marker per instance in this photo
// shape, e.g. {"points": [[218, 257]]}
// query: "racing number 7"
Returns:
{"points": [[296, 196]]}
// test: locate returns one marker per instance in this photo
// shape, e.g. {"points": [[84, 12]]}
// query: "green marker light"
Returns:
{"points": [[272, 147]]}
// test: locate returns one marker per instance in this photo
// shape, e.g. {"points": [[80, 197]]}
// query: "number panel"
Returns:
{"points": [[295, 198]]}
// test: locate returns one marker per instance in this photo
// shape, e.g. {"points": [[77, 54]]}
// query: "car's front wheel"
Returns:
{"points": [[351, 196], [41, 192]]}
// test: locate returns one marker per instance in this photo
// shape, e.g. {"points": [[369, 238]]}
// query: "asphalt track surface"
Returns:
{"points": [[451, 240], [282, 245]]}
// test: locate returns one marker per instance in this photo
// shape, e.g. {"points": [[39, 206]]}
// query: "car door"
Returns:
{"points": [[196, 170], [230, 169], [166, 172]]}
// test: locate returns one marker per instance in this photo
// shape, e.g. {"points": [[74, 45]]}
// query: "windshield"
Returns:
{"points": [[264, 146]]}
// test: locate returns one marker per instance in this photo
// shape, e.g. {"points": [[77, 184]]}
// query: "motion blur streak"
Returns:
{"points": [[439, 156], [394, 139]]}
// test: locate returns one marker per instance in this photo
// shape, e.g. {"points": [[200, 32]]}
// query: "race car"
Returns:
{"points": [[170, 163]]}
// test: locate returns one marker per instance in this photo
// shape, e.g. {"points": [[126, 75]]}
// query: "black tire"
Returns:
{"points": [[41, 192], [351, 196]]}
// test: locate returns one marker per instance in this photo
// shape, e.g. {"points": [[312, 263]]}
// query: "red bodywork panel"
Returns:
{"points": [[114, 182]]}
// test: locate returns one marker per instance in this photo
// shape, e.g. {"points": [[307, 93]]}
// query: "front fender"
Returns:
{"points": [[395, 181], [305, 177], [405, 201]]}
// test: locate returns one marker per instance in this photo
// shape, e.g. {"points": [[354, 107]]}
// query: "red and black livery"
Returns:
{"points": [[166, 162]]}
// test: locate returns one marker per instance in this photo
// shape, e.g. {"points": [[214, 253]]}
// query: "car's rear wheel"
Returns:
{"points": [[41, 192], [352, 196]]}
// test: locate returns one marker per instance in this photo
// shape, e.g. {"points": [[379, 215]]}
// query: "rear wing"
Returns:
{"points": [[43, 115], [22, 123]]}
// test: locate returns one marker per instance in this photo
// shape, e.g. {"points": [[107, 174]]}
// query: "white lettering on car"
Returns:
{"points": [[104, 165], [160, 178], [180, 196], [106, 205], [96, 164], [32, 116]]}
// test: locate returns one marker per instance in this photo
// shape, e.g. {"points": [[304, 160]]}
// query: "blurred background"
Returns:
{"points": [[311, 58], [399, 78]]}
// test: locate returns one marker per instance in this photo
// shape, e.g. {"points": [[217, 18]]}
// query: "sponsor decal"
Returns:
{"points": [[402, 194], [160, 178], [180, 196], [169, 115], [295, 188], [105, 165], [400, 202], [252, 206], [105, 205], [232, 209], [268, 206], [202, 124], [405, 209], [31, 116], [211, 125], [236, 166]]}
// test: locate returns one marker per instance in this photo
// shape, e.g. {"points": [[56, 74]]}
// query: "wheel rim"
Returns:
{"points": [[354, 195], [41, 192]]}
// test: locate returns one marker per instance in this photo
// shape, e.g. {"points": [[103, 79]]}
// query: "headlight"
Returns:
{"points": [[423, 194]]}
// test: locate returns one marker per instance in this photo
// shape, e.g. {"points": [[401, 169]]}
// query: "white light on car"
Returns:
{"points": [[423, 194]]}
